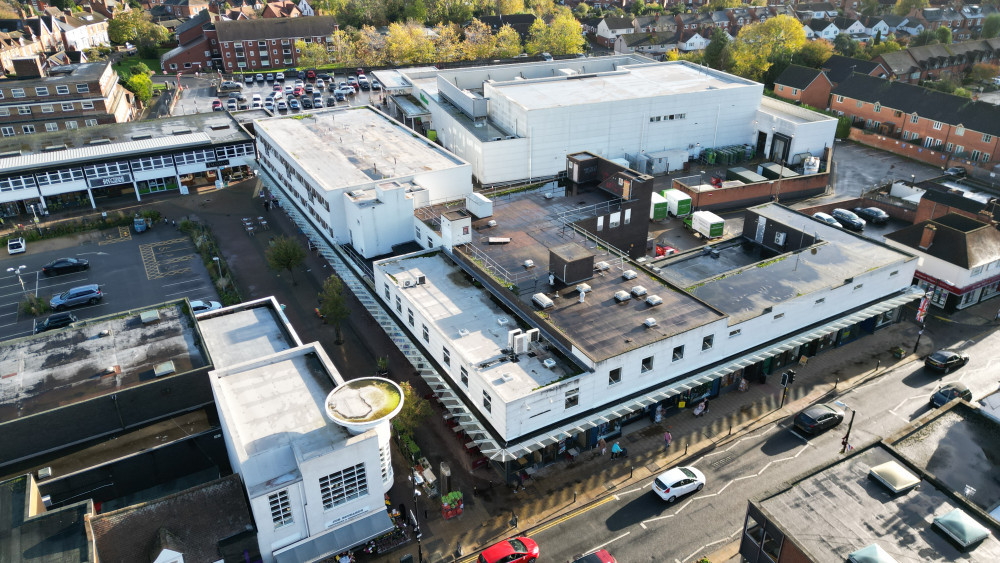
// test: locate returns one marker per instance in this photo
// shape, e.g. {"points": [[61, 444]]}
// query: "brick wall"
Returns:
{"points": [[816, 95], [747, 195]]}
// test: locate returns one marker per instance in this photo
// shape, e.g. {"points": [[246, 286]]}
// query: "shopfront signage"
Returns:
{"points": [[217, 163], [109, 181]]}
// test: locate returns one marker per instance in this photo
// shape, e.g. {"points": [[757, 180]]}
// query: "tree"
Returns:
{"points": [[369, 47], [415, 10], [884, 47], [448, 42], [846, 46], [414, 411], [332, 306], [312, 54], [582, 10], [285, 254], [407, 43], [565, 34], [943, 35], [878, 37], [814, 53], [991, 26], [506, 7], [717, 51], [904, 7], [981, 72], [925, 37], [480, 43], [716, 5], [343, 47], [140, 85], [125, 28], [759, 45], [869, 7], [509, 42], [638, 7], [542, 8]]}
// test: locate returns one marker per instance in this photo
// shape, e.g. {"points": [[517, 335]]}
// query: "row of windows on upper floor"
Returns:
{"points": [[41, 91], [914, 118]]}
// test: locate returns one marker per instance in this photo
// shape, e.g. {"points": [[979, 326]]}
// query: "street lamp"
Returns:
{"points": [[219, 264], [18, 271], [847, 437]]}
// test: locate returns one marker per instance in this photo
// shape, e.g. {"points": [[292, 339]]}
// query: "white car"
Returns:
{"points": [[16, 246], [677, 482], [256, 98], [256, 105], [204, 306], [281, 105], [828, 219], [269, 105], [320, 84]]}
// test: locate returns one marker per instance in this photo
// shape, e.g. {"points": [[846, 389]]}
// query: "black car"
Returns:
{"points": [[324, 75], [946, 360], [306, 103], [949, 392], [956, 171], [58, 320], [818, 417], [872, 215], [65, 266], [848, 219], [340, 96], [331, 101], [301, 74]]}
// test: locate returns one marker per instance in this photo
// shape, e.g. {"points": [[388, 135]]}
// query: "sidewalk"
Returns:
{"points": [[562, 487]]}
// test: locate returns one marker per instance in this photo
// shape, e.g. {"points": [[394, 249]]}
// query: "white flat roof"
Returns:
{"points": [[628, 83], [341, 148], [470, 321]]}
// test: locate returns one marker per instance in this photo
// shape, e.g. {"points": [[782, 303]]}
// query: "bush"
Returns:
{"points": [[33, 305], [208, 249]]}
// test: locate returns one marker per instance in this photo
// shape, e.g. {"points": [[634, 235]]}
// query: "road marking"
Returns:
{"points": [[607, 543], [751, 435], [800, 437], [185, 292], [710, 544], [157, 268], [124, 233], [573, 514], [193, 280]]}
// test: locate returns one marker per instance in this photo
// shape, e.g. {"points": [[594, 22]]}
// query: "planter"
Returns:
{"points": [[898, 352]]}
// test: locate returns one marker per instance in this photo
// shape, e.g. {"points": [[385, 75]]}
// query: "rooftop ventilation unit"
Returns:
{"points": [[629, 274], [638, 291], [421, 280], [166, 368], [463, 332], [506, 377], [503, 321], [141, 137], [549, 363], [45, 473], [529, 263], [148, 317], [53, 148], [602, 266], [103, 141], [491, 223], [512, 336], [653, 300], [650, 322], [622, 296], [181, 131], [584, 288], [408, 283]]}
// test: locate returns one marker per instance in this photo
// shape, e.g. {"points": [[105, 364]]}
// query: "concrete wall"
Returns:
{"points": [[799, 187]]}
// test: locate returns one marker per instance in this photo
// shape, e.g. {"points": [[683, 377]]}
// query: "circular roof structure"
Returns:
{"points": [[363, 403]]}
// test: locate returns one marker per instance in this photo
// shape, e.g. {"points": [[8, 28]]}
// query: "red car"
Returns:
{"points": [[298, 91], [310, 75], [216, 105], [511, 550], [599, 556]]}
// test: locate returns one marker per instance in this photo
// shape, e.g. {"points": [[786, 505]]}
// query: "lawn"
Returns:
{"points": [[125, 65]]}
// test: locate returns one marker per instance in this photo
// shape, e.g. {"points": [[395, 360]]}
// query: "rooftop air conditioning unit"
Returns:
{"points": [[407, 283], [503, 321], [463, 332], [602, 266], [491, 223], [638, 291], [529, 263], [45, 473], [421, 280], [653, 300], [629, 274], [622, 296], [549, 363], [584, 288], [650, 322], [507, 377]]}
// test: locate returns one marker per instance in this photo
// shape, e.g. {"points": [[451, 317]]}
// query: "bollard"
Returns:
{"points": [[730, 429], [836, 383], [574, 498], [685, 449], [631, 470], [878, 363]]}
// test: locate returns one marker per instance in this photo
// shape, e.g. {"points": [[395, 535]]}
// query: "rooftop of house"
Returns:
{"points": [[796, 76], [196, 519], [55, 536], [86, 72], [958, 240], [341, 148], [839, 67], [23, 152], [271, 391], [275, 28], [52, 369]]}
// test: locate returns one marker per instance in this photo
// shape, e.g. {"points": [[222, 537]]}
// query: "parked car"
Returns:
{"points": [[949, 392], [872, 215], [281, 105], [58, 320], [339, 95], [818, 418], [376, 85], [232, 105], [599, 556], [848, 219], [301, 75], [217, 105], [956, 171], [827, 219], [677, 482], [248, 79], [269, 77], [306, 103], [298, 91], [230, 85], [16, 245], [363, 82], [289, 90], [324, 75], [331, 101], [279, 77], [259, 77], [61, 266], [256, 98], [320, 84], [309, 88], [310, 75], [256, 105], [85, 294], [352, 80], [204, 306], [510, 550], [294, 105], [946, 360]]}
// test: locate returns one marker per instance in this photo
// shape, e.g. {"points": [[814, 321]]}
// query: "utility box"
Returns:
{"points": [[479, 205], [708, 224], [571, 263], [774, 171], [658, 207], [744, 175], [678, 203]]}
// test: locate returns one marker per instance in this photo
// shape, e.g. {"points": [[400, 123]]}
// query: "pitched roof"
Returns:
{"points": [[931, 104], [275, 28], [815, 7], [959, 240], [817, 24], [900, 63], [839, 68], [614, 22], [658, 38], [200, 19], [844, 23], [797, 76]]}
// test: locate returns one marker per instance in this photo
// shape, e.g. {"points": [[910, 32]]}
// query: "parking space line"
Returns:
{"points": [[158, 267], [193, 280], [185, 292], [124, 233]]}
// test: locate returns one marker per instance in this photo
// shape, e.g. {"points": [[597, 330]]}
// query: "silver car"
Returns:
{"points": [[83, 295]]}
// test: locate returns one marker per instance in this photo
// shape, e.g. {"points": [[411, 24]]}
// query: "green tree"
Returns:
{"points": [[416, 10], [565, 34], [411, 416], [582, 10], [883, 47], [542, 8], [509, 42], [638, 7], [480, 43], [981, 72], [447, 42], [991, 26], [140, 85], [717, 51], [506, 7], [904, 7], [759, 45], [869, 7], [369, 47], [140, 68], [125, 28], [285, 254], [312, 54], [846, 46], [716, 5], [878, 37], [343, 47], [332, 305], [943, 35], [406, 43], [814, 53], [925, 37]]}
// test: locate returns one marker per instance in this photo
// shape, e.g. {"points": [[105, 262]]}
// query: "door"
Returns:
{"points": [[780, 145], [759, 235], [761, 142]]}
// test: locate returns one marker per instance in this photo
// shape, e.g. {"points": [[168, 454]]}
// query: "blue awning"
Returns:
{"points": [[338, 540]]}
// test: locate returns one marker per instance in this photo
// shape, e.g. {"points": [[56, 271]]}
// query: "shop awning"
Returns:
{"points": [[338, 540]]}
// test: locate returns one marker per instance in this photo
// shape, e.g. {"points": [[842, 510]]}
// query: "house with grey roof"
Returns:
{"points": [[804, 85]]}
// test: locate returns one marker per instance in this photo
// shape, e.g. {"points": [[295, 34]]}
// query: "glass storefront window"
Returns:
{"points": [[755, 530]]}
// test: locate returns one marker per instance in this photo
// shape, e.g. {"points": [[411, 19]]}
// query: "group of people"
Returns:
{"points": [[616, 450]]}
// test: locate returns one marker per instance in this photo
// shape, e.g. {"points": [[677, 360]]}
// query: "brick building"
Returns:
{"points": [[197, 46], [951, 125], [928, 62], [804, 85], [268, 44], [62, 98]]}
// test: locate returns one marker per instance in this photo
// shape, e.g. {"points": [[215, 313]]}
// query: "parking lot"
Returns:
{"points": [[199, 98], [132, 271]]}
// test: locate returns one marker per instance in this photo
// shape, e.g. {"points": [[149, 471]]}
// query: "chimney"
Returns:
{"points": [[29, 67], [927, 237]]}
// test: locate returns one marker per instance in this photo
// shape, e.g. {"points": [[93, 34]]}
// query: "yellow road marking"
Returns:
{"points": [[124, 233], [154, 267]]}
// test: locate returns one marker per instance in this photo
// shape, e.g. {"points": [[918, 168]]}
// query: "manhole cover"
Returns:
{"points": [[723, 461]]}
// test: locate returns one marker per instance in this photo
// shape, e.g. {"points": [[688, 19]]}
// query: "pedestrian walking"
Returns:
{"points": [[603, 445], [616, 451], [706, 405], [667, 438]]}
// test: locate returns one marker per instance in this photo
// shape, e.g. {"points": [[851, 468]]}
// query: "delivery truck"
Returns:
{"points": [[658, 207], [707, 224], [679, 203]]}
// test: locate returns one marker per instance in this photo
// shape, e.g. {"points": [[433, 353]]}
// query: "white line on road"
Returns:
{"points": [[734, 444], [185, 292], [198, 280], [800, 437], [607, 543], [710, 544]]}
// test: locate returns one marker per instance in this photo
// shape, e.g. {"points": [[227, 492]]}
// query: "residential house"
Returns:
{"points": [[694, 22], [849, 26], [953, 126], [959, 259], [720, 20], [521, 23], [197, 46], [34, 29], [934, 18], [179, 8], [306, 8], [739, 17], [16, 45], [876, 26], [912, 26], [108, 8], [932, 61], [654, 43], [62, 98], [81, 30], [655, 24], [692, 41], [804, 85], [281, 9], [816, 10], [974, 14], [839, 68], [267, 44], [609, 28], [241, 13], [821, 29]]}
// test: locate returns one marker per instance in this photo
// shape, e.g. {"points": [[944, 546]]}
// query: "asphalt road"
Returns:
{"points": [[860, 168], [132, 270], [635, 525]]}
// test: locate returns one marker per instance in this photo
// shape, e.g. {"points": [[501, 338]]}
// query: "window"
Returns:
{"points": [[975, 155], [28, 129], [464, 373], [24, 110], [425, 333], [208, 54], [487, 402], [781, 88], [47, 108], [647, 365], [795, 91], [572, 398], [17, 92], [4, 112], [937, 125], [51, 126], [281, 509], [71, 125], [615, 376], [7, 131], [678, 353], [914, 118], [446, 356], [959, 131], [343, 486], [735, 333], [707, 342], [409, 315], [41, 91], [90, 122], [986, 157], [840, 99], [878, 107], [977, 270], [754, 530], [959, 149], [987, 138], [82, 88], [399, 305], [860, 103], [949, 146]]}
